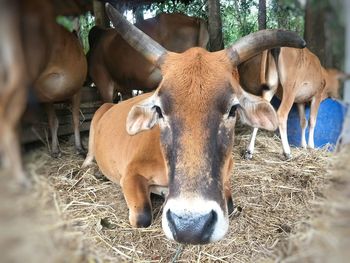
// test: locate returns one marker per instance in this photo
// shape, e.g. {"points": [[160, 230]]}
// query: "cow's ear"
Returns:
{"points": [[142, 116], [257, 112]]}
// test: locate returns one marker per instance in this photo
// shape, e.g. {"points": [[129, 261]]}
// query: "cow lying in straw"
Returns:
{"points": [[295, 76], [181, 136]]}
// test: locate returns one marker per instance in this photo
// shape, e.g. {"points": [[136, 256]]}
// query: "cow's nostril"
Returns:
{"points": [[192, 228]]}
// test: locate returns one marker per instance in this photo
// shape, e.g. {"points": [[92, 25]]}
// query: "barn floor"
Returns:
{"points": [[74, 215]]}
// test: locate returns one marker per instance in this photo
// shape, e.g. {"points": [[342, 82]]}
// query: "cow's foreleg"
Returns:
{"points": [[315, 103], [282, 114], [250, 149], [53, 125], [76, 123], [137, 196], [303, 123]]}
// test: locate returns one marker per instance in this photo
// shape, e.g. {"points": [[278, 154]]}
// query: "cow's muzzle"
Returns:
{"points": [[195, 221], [191, 229]]}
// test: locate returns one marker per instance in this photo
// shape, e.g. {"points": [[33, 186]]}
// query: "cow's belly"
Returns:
{"points": [[54, 87], [306, 91]]}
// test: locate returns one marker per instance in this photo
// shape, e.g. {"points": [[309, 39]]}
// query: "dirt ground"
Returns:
{"points": [[75, 215]]}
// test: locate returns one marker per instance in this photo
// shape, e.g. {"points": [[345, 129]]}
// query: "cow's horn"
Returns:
{"points": [[255, 43], [135, 37]]}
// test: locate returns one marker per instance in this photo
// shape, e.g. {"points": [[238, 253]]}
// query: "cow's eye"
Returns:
{"points": [[159, 111], [232, 112]]}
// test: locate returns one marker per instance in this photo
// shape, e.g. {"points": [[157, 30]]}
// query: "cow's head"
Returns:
{"points": [[196, 106]]}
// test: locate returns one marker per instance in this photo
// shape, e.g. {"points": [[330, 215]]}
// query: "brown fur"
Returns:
{"points": [[115, 66], [62, 80]]}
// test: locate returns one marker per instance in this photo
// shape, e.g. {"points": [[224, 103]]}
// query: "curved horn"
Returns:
{"points": [[255, 43], [149, 48]]}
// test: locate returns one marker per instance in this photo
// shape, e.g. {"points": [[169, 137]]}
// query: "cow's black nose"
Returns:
{"points": [[192, 229]]}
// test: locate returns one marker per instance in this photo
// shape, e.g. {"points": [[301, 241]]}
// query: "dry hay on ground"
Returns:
{"points": [[328, 237], [277, 197]]}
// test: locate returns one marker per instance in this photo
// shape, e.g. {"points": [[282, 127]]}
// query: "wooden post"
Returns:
{"points": [[215, 26], [347, 49], [101, 18]]}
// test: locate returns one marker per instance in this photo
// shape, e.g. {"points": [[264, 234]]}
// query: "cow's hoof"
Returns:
{"points": [[56, 154], [287, 156], [81, 151], [144, 219], [248, 155], [232, 209], [237, 210]]}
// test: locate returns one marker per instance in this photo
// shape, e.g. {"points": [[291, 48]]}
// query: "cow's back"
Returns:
{"points": [[302, 70], [176, 32], [37, 21], [111, 58], [116, 151]]}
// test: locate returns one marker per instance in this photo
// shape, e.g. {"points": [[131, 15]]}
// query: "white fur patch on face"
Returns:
{"points": [[196, 207]]}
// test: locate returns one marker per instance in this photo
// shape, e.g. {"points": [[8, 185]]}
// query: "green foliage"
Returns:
{"points": [[65, 21], [195, 8], [240, 17], [286, 14], [86, 22]]}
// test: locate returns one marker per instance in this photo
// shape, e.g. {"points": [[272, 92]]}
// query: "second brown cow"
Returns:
{"points": [[115, 66], [295, 76]]}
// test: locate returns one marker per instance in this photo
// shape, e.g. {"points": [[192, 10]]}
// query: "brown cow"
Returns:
{"points": [[296, 76], [115, 66], [181, 136], [34, 52], [61, 80], [25, 27]]}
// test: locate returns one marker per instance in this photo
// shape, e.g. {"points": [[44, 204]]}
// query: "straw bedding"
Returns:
{"points": [[86, 219]]}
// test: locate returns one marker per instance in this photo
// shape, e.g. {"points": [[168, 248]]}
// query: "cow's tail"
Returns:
{"points": [[265, 84], [263, 66], [275, 52]]}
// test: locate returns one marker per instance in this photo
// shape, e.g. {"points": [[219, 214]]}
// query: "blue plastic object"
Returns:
{"points": [[329, 123]]}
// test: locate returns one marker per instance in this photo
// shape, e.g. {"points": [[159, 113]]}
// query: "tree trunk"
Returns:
{"points": [[315, 30], [101, 18], [215, 26], [138, 14], [262, 14]]}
